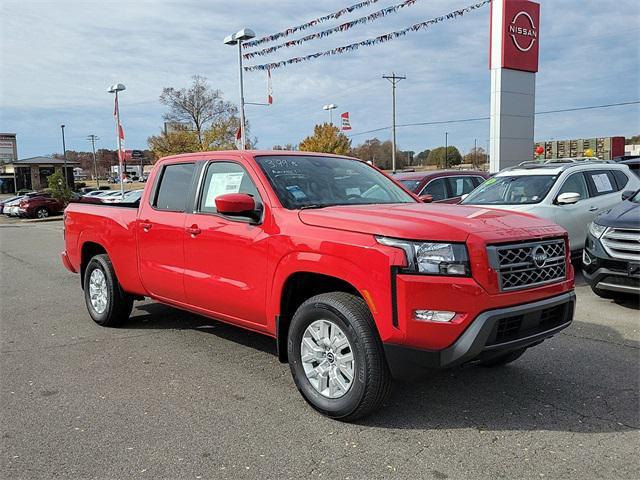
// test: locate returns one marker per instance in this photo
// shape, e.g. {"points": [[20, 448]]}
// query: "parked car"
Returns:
{"points": [[111, 196], [568, 193], [132, 196], [611, 257], [86, 190], [355, 278], [7, 201], [95, 193], [633, 164], [446, 186], [10, 207], [40, 206]]}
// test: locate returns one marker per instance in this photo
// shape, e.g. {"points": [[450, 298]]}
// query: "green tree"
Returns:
{"points": [[421, 158], [326, 138], [437, 157], [632, 140], [59, 188], [476, 157], [379, 153]]}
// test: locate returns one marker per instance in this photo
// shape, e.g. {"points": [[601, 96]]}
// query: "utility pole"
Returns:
{"points": [[93, 138], [64, 155], [475, 153], [394, 79], [446, 150]]}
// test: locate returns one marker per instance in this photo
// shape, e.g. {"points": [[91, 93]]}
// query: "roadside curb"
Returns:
{"points": [[41, 220]]}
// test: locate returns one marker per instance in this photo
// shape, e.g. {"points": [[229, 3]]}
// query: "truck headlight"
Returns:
{"points": [[596, 229], [432, 258]]}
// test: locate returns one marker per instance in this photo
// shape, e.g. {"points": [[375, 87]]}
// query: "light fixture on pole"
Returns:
{"points": [[64, 156], [330, 107], [237, 39], [118, 87]]}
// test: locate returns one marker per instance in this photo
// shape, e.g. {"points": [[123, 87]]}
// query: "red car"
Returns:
{"points": [[356, 280], [40, 206], [446, 186]]}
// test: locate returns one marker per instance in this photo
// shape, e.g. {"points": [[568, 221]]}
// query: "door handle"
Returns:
{"points": [[145, 225], [193, 230], [593, 209]]}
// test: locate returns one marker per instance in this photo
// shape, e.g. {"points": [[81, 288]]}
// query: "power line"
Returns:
{"points": [[478, 119]]}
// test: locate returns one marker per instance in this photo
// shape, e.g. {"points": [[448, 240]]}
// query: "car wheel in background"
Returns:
{"points": [[336, 357], [107, 303], [42, 213]]}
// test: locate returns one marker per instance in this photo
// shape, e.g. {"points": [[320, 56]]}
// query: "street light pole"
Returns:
{"points": [[64, 155], [237, 39], [394, 79], [118, 87], [330, 107], [92, 138]]}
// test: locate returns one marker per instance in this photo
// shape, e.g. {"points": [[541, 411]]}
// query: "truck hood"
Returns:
{"points": [[438, 222], [623, 215]]}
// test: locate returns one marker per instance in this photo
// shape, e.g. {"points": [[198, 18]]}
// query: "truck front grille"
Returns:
{"points": [[527, 265], [622, 243]]}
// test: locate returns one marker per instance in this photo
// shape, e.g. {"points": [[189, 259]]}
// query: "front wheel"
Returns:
{"points": [[108, 305], [336, 357], [42, 213]]}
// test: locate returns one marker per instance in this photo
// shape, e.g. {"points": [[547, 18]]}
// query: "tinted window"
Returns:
{"points": [[602, 182], [575, 184], [410, 185], [174, 187], [314, 182], [223, 178], [621, 179], [459, 186], [511, 190], [437, 189]]}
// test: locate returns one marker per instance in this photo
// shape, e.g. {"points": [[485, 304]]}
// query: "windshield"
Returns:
{"points": [[512, 190], [410, 185], [315, 182]]}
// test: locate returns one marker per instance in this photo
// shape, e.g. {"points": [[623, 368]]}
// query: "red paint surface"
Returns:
{"points": [[235, 271]]}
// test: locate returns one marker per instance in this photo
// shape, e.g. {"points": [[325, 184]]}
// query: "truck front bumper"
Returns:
{"points": [[492, 333]]}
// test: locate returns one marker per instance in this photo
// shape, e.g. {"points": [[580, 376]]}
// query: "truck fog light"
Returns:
{"points": [[455, 269], [433, 316]]}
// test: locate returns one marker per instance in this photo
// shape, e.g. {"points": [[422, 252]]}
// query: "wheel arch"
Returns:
{"points": [[89, 250]]}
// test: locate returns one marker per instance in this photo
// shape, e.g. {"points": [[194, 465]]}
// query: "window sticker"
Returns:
{"points": [[220, 184], [353, 191], [297, 192], [490, 181], [602, 182]]}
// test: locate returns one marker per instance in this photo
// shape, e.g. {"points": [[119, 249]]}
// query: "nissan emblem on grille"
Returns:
{"points": [[529, 264]]}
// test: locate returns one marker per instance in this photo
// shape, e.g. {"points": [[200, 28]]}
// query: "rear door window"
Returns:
{"points": [[174, 187], [601, 182], [461, 185]]}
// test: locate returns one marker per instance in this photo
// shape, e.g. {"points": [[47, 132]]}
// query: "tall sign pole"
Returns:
{"points": [[513, 60], [394, 79]]}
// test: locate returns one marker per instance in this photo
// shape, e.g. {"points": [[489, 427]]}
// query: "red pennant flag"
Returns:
{"points": [[346, 124], [269, 88]]}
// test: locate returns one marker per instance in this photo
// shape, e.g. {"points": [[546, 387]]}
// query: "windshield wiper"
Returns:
{"points": [[313, 206]]}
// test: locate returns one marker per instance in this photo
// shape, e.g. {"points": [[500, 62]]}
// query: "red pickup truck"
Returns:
{"points": [[356, 279]]}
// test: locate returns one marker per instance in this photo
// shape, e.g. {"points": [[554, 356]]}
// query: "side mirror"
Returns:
{"points": [[627, 194], [426, 198], [568, 198], [237, 204]]}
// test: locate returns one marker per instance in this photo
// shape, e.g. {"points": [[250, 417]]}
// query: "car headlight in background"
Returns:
{"points": [[596, 229], [432, 258]]}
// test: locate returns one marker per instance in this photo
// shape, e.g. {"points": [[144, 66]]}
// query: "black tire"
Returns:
{"points": [[119, 303], [371, 381], [42, 212], [504, 359]]}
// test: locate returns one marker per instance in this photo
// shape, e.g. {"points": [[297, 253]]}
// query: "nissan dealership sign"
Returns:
{"points": [[520, 35]]}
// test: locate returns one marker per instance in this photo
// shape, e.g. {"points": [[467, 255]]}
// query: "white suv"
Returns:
{"points": [[568, 192]]}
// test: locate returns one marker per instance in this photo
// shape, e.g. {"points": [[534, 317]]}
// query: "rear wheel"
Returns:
{"points": [[107, 303], [336, 357], [504, 359], [42, 213]]}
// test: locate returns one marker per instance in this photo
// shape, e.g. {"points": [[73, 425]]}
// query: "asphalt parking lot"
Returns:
{"points": [[174, 395]]}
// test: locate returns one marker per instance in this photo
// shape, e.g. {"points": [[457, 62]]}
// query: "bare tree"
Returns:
{"points": [[199, 105]]}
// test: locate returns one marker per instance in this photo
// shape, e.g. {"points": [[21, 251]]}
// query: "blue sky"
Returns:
{"points": [[58, 58]]}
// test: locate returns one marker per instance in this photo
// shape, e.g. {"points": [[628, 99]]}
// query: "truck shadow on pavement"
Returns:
{"points": [[583, 380]]}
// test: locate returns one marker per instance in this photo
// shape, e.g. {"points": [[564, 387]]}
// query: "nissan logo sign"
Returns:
{"points": [[539, 256], [523, 37]]}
